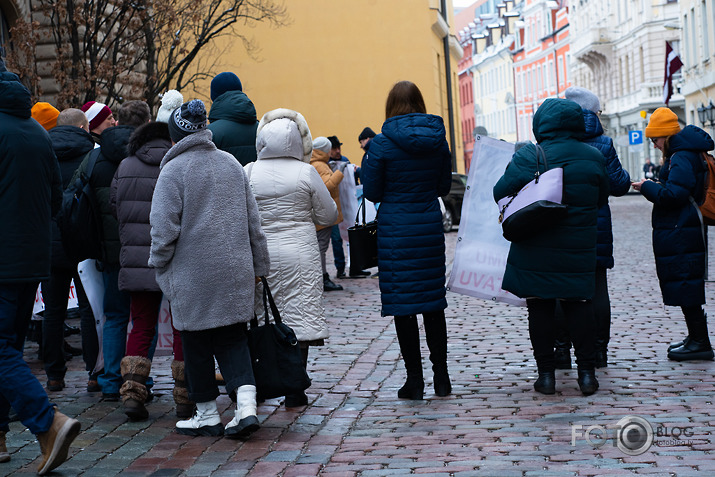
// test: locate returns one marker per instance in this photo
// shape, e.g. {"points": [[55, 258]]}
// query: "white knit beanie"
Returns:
{"points": [[171, 100]]}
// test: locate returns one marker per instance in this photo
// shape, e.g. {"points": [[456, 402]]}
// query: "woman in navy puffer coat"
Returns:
{"points": [[679, 237], [407, 168]]}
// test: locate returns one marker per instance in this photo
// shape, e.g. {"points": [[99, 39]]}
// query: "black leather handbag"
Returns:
{"points": [[275, 354], [363, 242]]}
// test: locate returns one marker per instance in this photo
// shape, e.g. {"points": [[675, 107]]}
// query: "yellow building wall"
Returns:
{"points": [[336, 61]]}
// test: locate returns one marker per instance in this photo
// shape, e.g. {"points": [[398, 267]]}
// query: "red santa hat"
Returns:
{"points": [[96, 113]]}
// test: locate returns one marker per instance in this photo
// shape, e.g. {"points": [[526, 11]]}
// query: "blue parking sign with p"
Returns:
{"points": [[635, 137]]}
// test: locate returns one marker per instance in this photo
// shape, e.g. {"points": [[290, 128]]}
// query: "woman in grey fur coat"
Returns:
{"points": [[208, 247]]}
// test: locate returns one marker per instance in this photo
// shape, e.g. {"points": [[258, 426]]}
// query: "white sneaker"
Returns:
{"points": [[245, 421], [206, 421]]}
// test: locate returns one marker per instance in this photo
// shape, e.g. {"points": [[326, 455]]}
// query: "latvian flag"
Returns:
{"points": [[672, 64]]}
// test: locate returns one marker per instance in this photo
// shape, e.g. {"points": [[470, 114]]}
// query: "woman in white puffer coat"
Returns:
{"points": [[292, 199]]}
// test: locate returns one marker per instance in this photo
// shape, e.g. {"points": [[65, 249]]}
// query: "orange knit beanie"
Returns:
{"points": [[663, 123], [45, 114]]}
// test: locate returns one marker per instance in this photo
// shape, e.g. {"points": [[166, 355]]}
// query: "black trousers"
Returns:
{"points": [[55, 293], [229, 345], [601, 309], [581, 325]]}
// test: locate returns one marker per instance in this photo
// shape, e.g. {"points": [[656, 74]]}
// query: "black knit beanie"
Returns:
{"points": [[366, 133], [188, 119]]}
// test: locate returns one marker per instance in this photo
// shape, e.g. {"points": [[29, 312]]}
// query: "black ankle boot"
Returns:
{"points": [[442, 384], [601, 358], [414, 388], [678, 344], [562, 358], [296, 400], [697, 344], [692, 350], [587, 381], [546, 383]]}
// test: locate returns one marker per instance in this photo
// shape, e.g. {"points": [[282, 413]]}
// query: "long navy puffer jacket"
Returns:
{"points": [[619, 181], [677, 232], [406, 169]]}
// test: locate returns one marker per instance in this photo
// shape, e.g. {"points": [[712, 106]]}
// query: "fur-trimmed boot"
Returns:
{"points": [[245, 421], [184, 406], [4, 454], [135, 371]]}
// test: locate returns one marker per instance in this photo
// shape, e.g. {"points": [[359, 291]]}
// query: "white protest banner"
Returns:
{"points": [[481, 252], [40, 302], [93, 284]]}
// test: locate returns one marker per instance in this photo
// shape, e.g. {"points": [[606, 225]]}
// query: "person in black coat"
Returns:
{"points": [[620, 183], [558, 263], [679, 235], [407, 169], [71, 143], [30, 195]]}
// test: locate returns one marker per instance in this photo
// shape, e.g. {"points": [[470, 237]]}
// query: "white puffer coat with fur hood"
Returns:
{"points": [[292, 199]]}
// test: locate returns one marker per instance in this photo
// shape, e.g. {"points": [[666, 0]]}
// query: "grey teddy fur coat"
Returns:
{"points": [[207, 244]]}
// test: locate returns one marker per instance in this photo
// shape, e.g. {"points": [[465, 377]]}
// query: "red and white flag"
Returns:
{"points": [[672, 64]]}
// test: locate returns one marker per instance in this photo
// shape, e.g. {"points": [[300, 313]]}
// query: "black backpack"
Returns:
{"points": [[80, 220]]}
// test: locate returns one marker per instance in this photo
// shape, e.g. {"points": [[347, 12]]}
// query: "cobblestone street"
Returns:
{"points": [[494, 423]]}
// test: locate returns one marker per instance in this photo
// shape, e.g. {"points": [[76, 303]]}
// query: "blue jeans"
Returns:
{"points": [[114, 338], [338, 252], [18, 386]]}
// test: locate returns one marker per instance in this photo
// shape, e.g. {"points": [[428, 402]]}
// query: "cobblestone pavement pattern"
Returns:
{"points": [[494, 424]]}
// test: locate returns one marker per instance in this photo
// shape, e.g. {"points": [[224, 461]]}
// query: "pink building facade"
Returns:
{"points": [[541, 64]]}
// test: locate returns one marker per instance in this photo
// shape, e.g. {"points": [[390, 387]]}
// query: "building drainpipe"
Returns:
{"points": [[448, 72]]}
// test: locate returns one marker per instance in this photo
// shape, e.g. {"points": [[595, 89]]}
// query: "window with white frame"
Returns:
{"points": [[705, 29], [687, 59], [693, 37], [538, 80]]}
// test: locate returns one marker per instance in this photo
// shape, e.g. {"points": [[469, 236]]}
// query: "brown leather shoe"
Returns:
{"points": [[4, 455], [55, 443], [55, 385]]}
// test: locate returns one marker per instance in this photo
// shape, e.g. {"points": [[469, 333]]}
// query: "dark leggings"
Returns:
{"points": [[580, 320]]}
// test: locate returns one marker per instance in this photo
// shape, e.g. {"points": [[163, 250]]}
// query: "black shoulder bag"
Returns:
{"points": [[275, 354], [363, 242]]}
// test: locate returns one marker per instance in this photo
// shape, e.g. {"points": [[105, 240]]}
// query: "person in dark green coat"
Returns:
{"points": [[233, 118], [559, 263]]}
